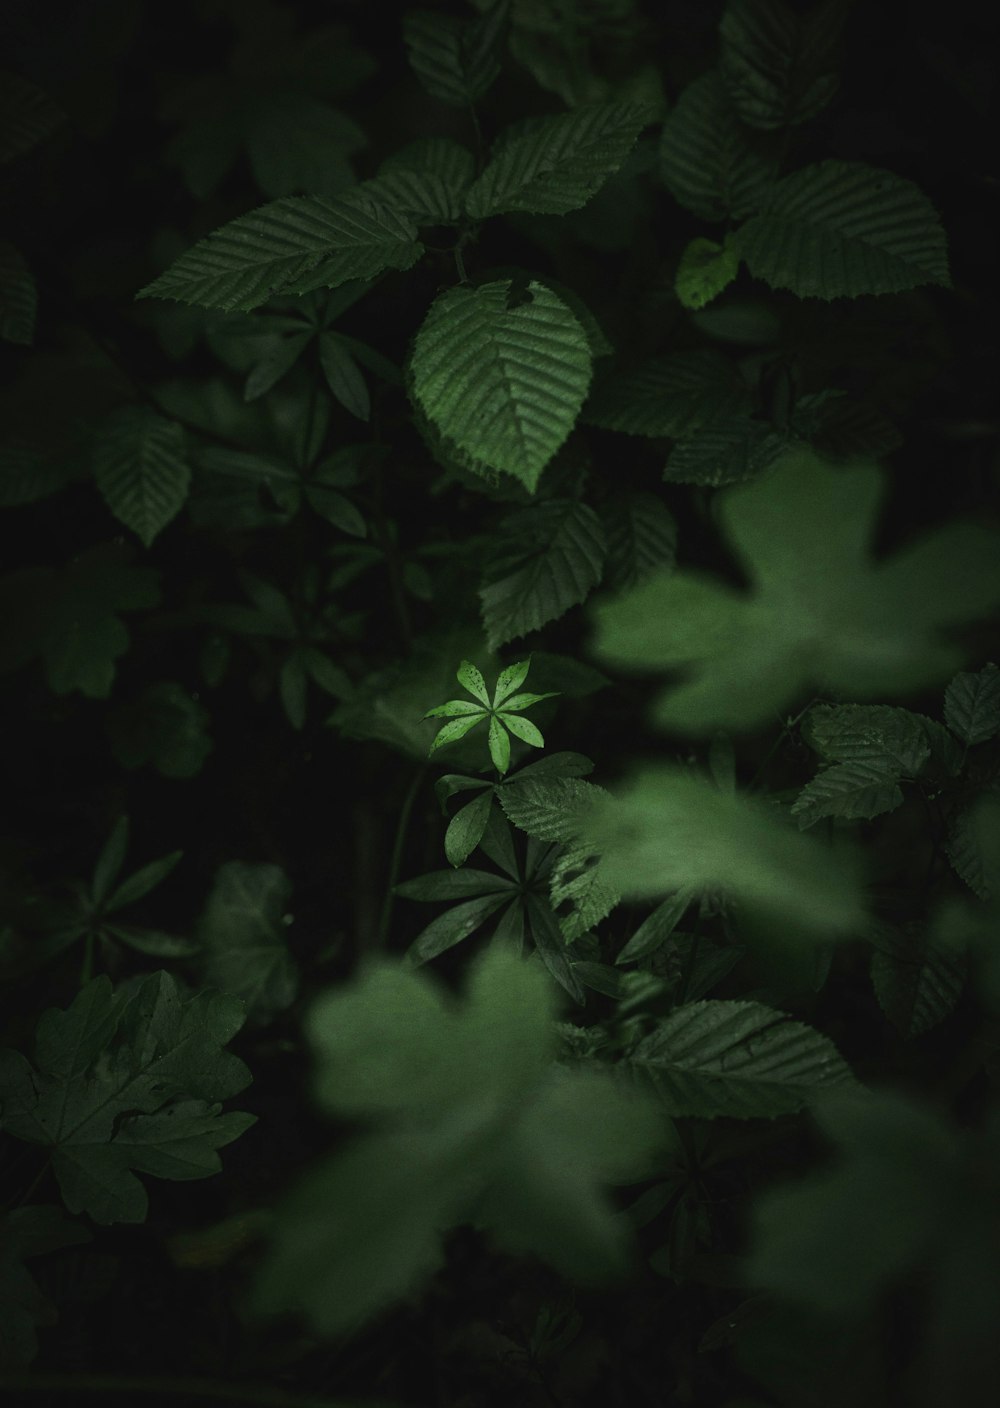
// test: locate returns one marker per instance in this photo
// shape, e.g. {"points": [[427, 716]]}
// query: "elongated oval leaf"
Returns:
{"points": [[504, 384], [141, 470], [779, 66], [842, 229], [548, 559], [972, 705], [857, 791], [270, 250], [553, 165], [738, 1059], [673, 395], [709, 162]]}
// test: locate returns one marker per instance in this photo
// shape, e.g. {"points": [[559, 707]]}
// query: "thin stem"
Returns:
{"points": [[171, 1388], [399, 840], [31, 1186], [785, 732]]}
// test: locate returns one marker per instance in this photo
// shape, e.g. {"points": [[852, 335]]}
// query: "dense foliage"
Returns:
{"points": [[621, 1023]]}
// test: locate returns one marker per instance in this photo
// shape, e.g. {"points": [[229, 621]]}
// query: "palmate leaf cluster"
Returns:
{"points": [[607, 359]]}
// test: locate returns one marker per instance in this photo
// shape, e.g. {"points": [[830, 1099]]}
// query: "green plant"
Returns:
{"points": [[642, 352]]}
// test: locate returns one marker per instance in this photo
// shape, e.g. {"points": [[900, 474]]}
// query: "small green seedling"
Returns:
{"points": [[503, 713]]}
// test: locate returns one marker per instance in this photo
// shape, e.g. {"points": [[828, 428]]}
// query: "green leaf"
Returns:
{"points": [[466, 828], [856, 791], [780, 67], [164, 726], [70, 617], [455, 60], [18, 297], [546, 559], [728, 451], [504, 384], [842, 229], [274, 248], [821, 612], [547, 808], [242, 932], [579, 893], [471, 678], [27, 115], [642, 536], [705, 269], [670, 831], [454, 884], [917, 980], [426, 180], [453, 926], [972, 705], [141, 470], [110, 861], [25, 1233], [675, 395], [741, 1060], [343, 377], [840, 1238], [523, 729], [127, 1083], [142, 881], [709, 162], [869, 733], [456, 729], [968, 850], [275, 359], [473, 1123], [552, 165], [657, 928], [499, 740]]}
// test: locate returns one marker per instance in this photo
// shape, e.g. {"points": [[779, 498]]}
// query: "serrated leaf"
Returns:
{"points": [[552, 165], [740, 1060], [821, 612], [548, 558], [972, 705], [18, 297], [671, 830], [967, 849], [918, 982], [141, 470], [780, 67], [856, 791], [642, 537], [546, 808], [709, 162], [843, 229], [455, 60], [243, 938], [127, 1083], [284, 245], [729, 450], [578, 892], [504, 384], [869, 733], [705, 269], [675, 395]]}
